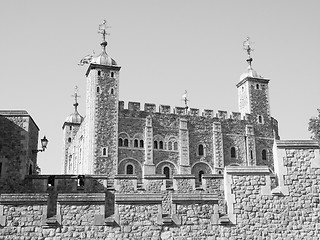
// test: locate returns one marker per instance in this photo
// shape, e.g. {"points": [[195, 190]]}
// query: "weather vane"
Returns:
{"points": [[186, 100], [103, 30], [76, 96], [247, 46]]}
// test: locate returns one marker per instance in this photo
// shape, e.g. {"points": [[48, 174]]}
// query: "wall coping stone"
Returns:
{"points": [[138, 198], [194, 197], [212, 176], [183, 176], [297, 144], [81, 197], [125, 176], [24, 198], [162, 177], [245, 170]]}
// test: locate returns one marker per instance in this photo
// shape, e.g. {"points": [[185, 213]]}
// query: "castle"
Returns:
{"points": [[133, 174], [113, 139]]}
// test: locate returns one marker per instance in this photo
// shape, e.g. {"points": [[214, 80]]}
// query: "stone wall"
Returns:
{"points": [[246, 203]]}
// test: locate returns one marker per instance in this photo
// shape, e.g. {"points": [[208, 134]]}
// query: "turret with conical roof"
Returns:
{"points": [[70, 127]]}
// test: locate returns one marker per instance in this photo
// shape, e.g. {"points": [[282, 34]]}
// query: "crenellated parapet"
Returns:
{"points": [[244, 196], [180, 111]]}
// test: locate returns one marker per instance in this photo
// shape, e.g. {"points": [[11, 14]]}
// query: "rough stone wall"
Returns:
{"points": [[18, 137], [257, 209]]}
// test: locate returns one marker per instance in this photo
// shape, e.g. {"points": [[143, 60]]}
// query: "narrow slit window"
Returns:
{"points": [[155, 145], [161, 145], [104, 151], [69, 139], [112, 74], [200, 150], [264, 154], [111, 91], [98, 89], [0, 168], [99, 73], [251, 154], [233, 152], [136, 143], [30, 169]]}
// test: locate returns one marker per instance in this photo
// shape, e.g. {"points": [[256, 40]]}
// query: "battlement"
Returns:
{"points": [[166, 109], [223, 202]]}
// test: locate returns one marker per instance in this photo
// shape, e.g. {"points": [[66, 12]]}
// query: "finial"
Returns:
{"points": [[247, 47], [103, 30], [76, 96], [185, 99]]}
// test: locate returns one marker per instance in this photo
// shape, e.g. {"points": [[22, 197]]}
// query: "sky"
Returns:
{"points": [[164, 48]]}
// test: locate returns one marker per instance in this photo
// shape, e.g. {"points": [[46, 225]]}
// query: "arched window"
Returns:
{"points": [[99, 73], [200, 176], [257, 86], [136, 143], [70, 128], [141, 143], [169, 146], [126, 142], [200, 150], [155, 145], [233, 152], [129, 169], [264, 154], [260, 119], [120, 142], [112, 74], [160, 145], [98, 89], [166, 171], [69, 139], [251, 154], [111, 91], [175, 146]]}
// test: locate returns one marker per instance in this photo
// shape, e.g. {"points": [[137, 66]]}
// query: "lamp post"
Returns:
{"points": [[44, 143]]}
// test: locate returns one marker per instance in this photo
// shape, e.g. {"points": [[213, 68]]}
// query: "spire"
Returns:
{"points": [[247, 47], [103, 31]]}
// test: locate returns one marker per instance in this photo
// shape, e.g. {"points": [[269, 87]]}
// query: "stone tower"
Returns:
{"points": [[70, 128], [253, 92], [102, 99]]}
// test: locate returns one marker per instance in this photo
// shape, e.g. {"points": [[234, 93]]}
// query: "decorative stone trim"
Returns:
{"points": [[197, 197], [22, 198], [134, 198], [297, 144]]}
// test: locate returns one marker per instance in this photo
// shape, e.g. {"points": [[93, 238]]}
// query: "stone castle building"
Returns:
{"points": [[118, 162], [18, 140], [113, 139]]}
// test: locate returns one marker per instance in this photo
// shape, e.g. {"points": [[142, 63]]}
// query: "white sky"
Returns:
{"points": [[164, 48]]}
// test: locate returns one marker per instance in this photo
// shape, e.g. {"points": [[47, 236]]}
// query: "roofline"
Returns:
{"points": [[94, 65], [263, 80], [18, 113]]}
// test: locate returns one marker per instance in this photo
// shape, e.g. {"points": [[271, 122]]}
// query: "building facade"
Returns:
{"points": [[18, 140], [114, 139]]}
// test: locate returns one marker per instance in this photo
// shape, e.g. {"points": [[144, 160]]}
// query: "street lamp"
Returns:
{"points": [[44, 143]]}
